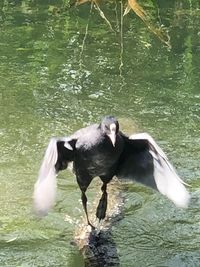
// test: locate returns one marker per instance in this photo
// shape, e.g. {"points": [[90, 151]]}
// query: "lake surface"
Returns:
{"points": [[54, 79]]}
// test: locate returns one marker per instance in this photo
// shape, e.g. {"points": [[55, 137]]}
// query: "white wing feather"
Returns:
{"points": [[45, 187]]}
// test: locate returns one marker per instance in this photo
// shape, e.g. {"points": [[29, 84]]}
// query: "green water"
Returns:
{"points": [[50, 86]]}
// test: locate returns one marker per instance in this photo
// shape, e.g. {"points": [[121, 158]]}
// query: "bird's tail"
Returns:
{"points": [[45, 187]]}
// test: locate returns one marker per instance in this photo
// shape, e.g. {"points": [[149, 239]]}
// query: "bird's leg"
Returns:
{"points": [[84, 202], [102, 207]]}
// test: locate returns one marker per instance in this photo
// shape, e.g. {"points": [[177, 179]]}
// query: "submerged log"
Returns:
{"points": [[97, 245]]}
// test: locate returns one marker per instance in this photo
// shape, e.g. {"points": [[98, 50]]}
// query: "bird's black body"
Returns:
{"points": [[93, 155], [102, 150]]}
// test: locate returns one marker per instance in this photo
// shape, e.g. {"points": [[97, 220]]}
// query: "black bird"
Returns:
{"points": [[102, 150]]}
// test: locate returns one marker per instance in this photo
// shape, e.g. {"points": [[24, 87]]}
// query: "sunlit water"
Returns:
{"points": [[49, 87]]}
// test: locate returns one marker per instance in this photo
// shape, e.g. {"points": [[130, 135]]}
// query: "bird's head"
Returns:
{"points": [[110, 126]]}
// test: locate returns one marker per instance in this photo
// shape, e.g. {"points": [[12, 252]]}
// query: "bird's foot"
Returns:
{"points": [[98, 226], [101, 209], [91, 225]]}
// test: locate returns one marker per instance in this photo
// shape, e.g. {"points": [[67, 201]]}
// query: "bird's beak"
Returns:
{"points": [[112, 134]]}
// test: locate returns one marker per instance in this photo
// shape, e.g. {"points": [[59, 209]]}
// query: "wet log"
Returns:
{"points": [[97, 245]]}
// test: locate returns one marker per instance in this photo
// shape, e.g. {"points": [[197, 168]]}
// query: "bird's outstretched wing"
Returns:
{"points": [[59, 153], [145, 162]]}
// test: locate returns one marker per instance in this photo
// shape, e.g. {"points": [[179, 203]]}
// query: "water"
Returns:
{"points": [[51, 86]]}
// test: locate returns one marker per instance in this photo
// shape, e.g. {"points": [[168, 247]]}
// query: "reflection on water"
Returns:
{"points": [[45, 92]]}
